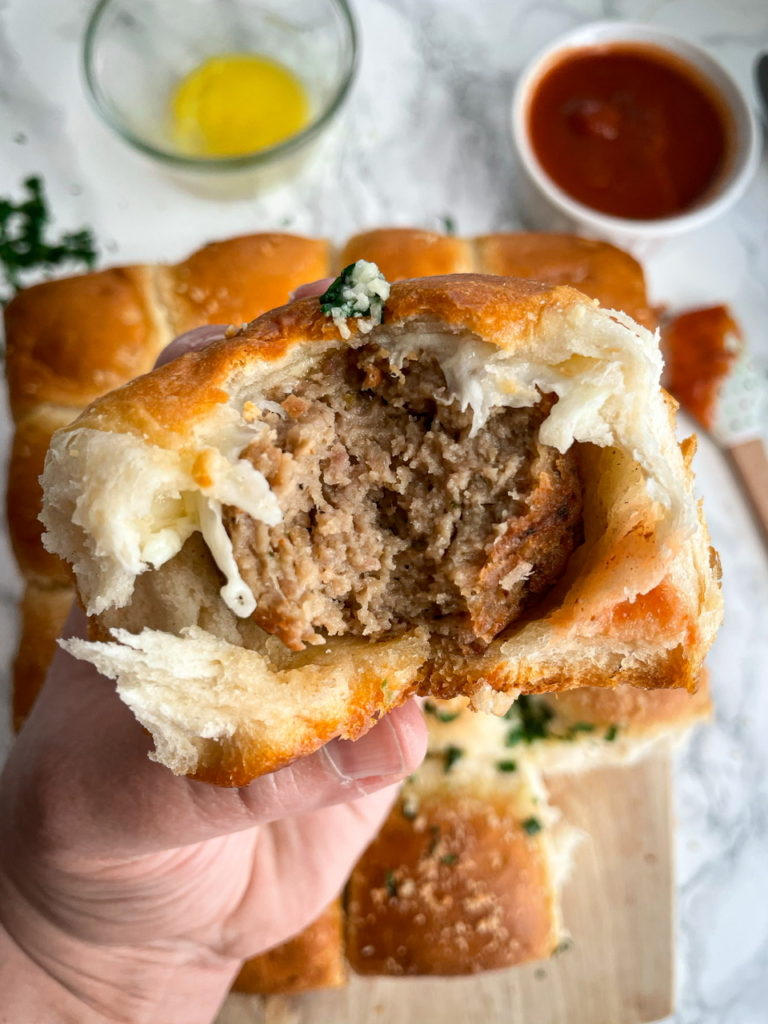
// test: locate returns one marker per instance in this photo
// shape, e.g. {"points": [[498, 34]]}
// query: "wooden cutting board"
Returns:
{"points": [[618, 906]]}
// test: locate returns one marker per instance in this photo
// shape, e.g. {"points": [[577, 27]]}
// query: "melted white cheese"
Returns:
{"points": [[236, 593]]}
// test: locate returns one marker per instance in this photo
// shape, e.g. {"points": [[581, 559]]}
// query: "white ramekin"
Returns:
{"points": [[545, 206]]}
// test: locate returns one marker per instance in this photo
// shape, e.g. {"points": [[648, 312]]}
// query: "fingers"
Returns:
{"points": [[306, 291], [84, 757], [191, 341], [341, 770], [199, 337]]}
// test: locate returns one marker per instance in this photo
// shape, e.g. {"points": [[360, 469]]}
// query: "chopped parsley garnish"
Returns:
{"points": [[578, 727], [439, 714], [532, 719], [333, 296], [449, 224], [449, 858], [360, 290], [23, 245], [506, 766], [450, 756], [611, 733], [391, 883], [562, 946], [532, 826]]}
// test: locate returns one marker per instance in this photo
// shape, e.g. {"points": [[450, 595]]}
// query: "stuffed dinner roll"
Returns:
{"points": [[461, 484]]}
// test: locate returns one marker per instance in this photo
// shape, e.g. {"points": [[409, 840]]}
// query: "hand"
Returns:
{"points": [[128, 894]]}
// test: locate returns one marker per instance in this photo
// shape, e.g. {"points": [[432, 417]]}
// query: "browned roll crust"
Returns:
{"points": [[70, 341], [43, 610], [236, 280], [598, 269], [312, 959], [24, 495], [465, 885], [466, 872], [407, 252]]}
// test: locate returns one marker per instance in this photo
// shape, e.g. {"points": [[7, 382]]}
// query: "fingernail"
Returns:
{"points": [[190, 341], [306, 291], [375, 754]]}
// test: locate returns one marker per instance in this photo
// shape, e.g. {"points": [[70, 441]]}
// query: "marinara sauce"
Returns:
{"points": [[628, 130], [700, 347]]}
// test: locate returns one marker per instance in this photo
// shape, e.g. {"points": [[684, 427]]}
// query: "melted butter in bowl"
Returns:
{"points": [[237, 103], [230, 98]]}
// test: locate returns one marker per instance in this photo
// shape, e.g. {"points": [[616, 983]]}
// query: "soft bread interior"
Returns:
{"points": [[233, 696]]}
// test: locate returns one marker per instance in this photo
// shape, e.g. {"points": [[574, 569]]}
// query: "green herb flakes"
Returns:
{"points": [[23, 245], [506, 766], [449, 858], [360, 290], [531, 716], [532, 826], [439, 713], [577, 727], [611, 733], [451, 755], [391, 884]]}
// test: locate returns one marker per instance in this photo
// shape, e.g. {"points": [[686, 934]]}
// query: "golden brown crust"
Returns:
{"points": [[244, 757], [71, 340], [459, 889], [310, 960], [598, 269], [43, 610], [408, 252], [160, 406], [24, 496], [236, 280]]}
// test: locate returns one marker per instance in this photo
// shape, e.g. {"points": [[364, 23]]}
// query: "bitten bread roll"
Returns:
{"points": [[282, 536]]}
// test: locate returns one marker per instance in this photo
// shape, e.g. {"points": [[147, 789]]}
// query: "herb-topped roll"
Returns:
{"points": [[464, 484]]}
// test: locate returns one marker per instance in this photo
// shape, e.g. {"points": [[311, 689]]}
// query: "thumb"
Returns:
{"points": [[336, 773], [81, 764]]}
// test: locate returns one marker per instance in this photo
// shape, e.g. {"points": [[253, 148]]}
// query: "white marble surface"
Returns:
{"points": [[438, 75]]}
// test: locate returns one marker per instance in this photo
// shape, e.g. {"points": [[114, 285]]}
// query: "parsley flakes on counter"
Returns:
{"points": [[23, 243]]}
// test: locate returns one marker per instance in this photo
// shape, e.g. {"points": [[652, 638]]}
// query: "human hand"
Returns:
{"points": [[132, 895]]}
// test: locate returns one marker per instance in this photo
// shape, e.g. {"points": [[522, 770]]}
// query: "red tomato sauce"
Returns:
{"points": [[628, 130], [700, 347]]}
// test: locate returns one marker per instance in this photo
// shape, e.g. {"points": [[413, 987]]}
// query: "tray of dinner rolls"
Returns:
{"points": [[528, 859]]}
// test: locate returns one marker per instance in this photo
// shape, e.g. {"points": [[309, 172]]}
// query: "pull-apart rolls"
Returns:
{"points": [[280, 537]]}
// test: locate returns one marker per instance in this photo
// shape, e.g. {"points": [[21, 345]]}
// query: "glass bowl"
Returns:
{"points": [[136, 52]]}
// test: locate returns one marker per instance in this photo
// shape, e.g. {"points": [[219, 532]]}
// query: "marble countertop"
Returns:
{"points": [[439, 75]]}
